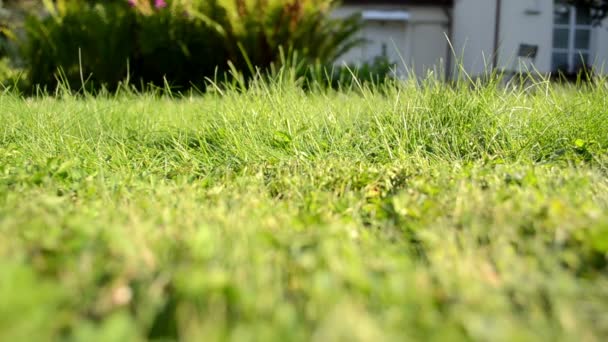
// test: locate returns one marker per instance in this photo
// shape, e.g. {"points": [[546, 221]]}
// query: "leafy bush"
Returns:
{"points": [[101, 42], [377, 72], [9, 74], [104, 43], [6, 33], [80, 40]]}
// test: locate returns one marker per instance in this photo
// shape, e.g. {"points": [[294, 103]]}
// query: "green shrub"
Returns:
{"points": [[377, 72], [102, 42], [9, 73], [80, 42]]}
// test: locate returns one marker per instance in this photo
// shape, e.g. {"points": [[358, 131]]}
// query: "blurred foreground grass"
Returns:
{"points": [[404, 212]]}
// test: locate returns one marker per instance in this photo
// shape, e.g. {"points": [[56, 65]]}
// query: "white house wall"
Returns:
{"points": [[428, 57], [417, 44], [526, 22], [473, 35], [522, 22], [599, 45]]}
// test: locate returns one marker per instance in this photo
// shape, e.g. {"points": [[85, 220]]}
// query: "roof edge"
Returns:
{"points": [[443, 3]]}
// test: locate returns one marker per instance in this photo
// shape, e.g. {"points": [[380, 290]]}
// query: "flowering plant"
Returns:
{"points": [[147, 6]]}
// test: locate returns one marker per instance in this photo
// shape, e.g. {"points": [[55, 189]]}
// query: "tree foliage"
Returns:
{"points": [[180, 41]]}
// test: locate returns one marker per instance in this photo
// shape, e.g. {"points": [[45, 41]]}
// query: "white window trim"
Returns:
{"points": [[571, 50], [378, 15]]}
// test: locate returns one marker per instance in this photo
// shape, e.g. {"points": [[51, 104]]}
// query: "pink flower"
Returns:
{"points": [[132, 3], [160, 3]]}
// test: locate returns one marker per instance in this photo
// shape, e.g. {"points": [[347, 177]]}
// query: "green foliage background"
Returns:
{"points": [[103, 43]]}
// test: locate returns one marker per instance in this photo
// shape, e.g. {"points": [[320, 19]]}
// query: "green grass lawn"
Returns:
{"points": [[393, 213]]}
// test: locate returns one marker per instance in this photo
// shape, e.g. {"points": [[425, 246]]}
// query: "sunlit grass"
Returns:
{"points": [[393, 212]]}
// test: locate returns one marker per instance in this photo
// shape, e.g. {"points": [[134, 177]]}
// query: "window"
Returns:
{"points": [[571, 37]]}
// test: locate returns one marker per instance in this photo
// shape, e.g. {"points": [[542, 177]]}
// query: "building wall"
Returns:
{"points": [[473, 35], [419, 44], [416, 45], [526, 22], [429, 57], [599, 46], [521, 22]]}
